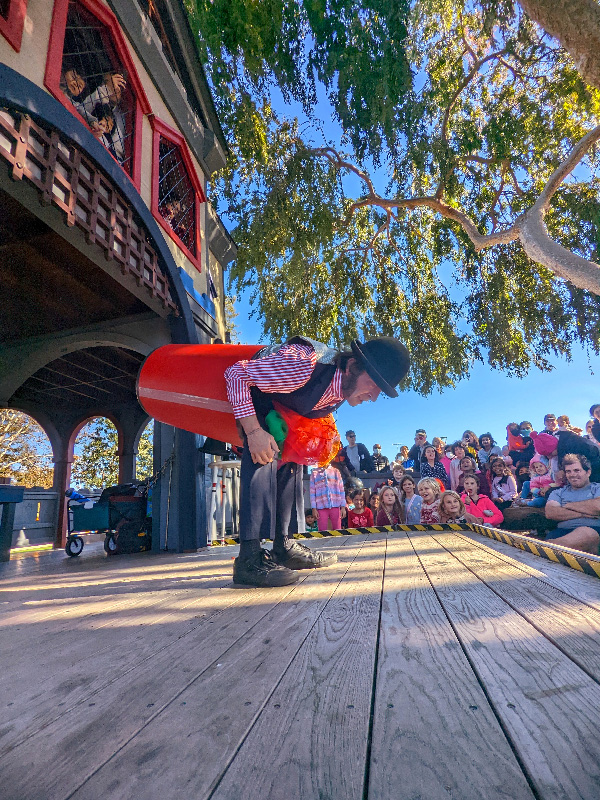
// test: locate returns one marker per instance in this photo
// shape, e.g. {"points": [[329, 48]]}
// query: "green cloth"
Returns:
{"points": [[277, 427]]}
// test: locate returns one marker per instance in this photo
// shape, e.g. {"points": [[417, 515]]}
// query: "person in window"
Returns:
{"points": [[109, 93], [103, 126], [177, 216], [73, 85]]}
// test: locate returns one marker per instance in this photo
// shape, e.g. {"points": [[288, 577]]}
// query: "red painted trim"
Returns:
{"points": [[11, 27], [54, 66], [160, 128]]}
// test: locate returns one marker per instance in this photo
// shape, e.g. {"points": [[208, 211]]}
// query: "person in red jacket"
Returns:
{"points": [[479, 505], [359, 516]]}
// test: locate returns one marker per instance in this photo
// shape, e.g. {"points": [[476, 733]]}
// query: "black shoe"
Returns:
{"points": [[297, 556], [261, 569]]}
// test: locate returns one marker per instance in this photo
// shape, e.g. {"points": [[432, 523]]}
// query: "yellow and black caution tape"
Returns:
{"points": [[582, 562], [575, 559]]}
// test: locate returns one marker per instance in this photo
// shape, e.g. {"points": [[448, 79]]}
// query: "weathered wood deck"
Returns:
{"points": [[422, 665]]}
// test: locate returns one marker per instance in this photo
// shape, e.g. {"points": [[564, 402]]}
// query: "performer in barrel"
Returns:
{"points": [[302, 380]]}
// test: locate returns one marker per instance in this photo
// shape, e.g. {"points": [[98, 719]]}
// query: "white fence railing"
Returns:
{"points": [[223, 515]]}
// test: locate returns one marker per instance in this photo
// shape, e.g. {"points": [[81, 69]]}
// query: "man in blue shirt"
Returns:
{"points": [[576, 507]]}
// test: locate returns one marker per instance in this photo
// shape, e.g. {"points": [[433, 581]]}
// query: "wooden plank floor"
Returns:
{"points": [[421, 666]]}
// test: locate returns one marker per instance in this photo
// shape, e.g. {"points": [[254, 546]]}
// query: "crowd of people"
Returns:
{"points": [[554, 473]]}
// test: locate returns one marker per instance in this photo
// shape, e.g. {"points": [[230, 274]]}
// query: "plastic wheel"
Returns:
{"points": [[74, 546], [110, 545]]}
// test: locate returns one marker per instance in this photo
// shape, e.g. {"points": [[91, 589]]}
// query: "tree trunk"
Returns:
{"points": [[576, 25]]}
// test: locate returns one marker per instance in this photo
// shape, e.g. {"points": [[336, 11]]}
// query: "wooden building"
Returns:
{"points": [[108, 245]]}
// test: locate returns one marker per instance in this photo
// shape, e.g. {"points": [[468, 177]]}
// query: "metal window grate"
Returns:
{"points": [[94, 80], [176, 195]]}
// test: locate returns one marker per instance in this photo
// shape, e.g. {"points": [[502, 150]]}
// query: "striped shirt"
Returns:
{"points": [[282, 372]]}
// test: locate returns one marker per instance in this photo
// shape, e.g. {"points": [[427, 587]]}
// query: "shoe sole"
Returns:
{"points": [[284, 582], [327, 563]]}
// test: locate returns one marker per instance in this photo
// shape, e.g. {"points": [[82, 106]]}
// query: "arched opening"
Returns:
{"points": [[96, 455], [25, 451], [145, 453]]}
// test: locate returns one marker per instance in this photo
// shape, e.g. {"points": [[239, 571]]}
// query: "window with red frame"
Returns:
{"points": [[12, 20], [96, 83], [176, 195]]}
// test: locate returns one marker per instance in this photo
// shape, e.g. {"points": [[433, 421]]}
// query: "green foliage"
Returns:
{"points": [[96, 464], [25, 452], [466, 101], [144, 462], [231, 314]]}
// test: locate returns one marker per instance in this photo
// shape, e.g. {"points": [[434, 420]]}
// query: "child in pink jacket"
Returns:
{"points": [[541, 482], [479, 505]]}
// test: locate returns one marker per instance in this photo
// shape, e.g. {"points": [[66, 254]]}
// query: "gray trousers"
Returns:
{"points": [[271, 499]]}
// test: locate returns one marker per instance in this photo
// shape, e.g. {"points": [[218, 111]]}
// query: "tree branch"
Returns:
{"points": [[463, 85], [528, 227], [564, 169], [562, 262]]}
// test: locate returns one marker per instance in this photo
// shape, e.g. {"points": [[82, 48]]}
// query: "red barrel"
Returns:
{"points": [[184, 385]]}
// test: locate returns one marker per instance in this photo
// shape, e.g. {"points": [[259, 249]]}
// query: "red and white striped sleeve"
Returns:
{"points": [[284, 371]]}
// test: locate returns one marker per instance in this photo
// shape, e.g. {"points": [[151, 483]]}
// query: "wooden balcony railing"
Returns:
{"points": [[70, 181]]}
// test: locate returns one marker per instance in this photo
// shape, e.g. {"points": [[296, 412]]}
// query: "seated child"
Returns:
{"points": [[397, 475], [311, 521], [430, 492], [359, 516], [390, 509], [504, 486], [540, 485], [469, 467], [520, 443], [374, 504], [452, 509], [522, 478], [412, 501], [479, 505]]}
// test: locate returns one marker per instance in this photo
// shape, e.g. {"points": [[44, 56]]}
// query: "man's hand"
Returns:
{"points": [[263, 447]]}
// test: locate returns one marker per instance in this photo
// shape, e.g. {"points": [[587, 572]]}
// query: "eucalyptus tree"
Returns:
{"points": [[459, 207]]}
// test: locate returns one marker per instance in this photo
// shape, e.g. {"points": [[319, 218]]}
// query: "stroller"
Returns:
{"points": [[123, 513]]}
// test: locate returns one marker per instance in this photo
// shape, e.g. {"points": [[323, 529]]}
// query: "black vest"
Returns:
{"points": [[304, 399]]}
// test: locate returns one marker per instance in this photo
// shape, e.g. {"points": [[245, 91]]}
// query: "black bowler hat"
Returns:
{"points": [[385, 359]]}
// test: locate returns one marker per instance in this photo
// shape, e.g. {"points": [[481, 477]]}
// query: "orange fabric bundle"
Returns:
{"points": [[313, 442]]}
